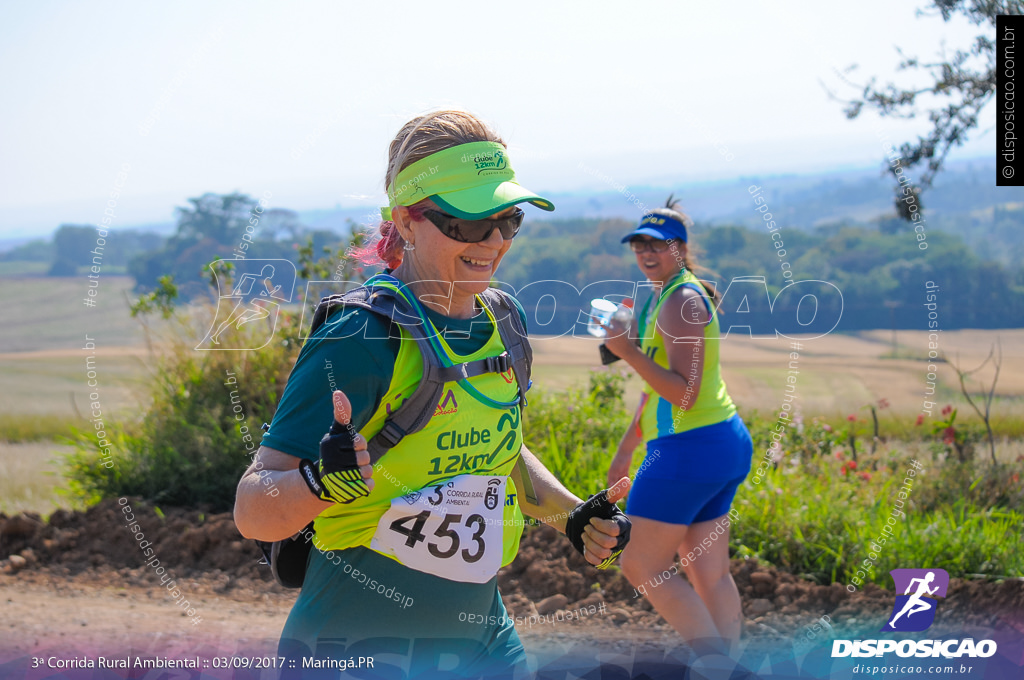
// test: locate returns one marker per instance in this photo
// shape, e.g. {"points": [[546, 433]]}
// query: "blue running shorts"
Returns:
{"points": [[692, 476]]}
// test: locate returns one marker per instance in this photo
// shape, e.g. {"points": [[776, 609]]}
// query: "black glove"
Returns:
{"points": [[336, 477], [597, 506]]}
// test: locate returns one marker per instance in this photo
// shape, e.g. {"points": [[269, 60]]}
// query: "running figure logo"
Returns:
{"points": [[262, 286], [915, 608]]}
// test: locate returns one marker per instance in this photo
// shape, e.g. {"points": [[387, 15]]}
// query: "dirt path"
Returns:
{"points": [[54, 616], [43, 612], [78, 584], [90, 615]]}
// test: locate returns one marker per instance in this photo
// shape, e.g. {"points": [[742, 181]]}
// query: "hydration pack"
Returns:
{"points": [[288, 558]]}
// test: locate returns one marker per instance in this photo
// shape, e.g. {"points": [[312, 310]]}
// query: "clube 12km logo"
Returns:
{"points": [[917, 598]]}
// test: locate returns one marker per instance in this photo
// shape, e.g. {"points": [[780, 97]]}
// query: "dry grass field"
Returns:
{"points": [[29, 473], [839, 374], [42, 364]]}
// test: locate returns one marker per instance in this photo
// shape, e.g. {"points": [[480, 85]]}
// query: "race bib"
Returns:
{"points": [[452, 530]]}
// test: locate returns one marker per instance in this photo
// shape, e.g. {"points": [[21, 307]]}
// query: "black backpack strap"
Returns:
{"points": [[471, 369], [513, 336], [417, 409], [414, 412], [357, 297], [517, 345]]}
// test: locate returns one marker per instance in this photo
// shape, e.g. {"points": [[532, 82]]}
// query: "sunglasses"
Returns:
{"points": [[640, 245], [474, 231]]}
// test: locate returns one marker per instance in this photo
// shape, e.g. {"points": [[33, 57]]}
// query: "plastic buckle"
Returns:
{"points": [[499, 364], [391, 434]]}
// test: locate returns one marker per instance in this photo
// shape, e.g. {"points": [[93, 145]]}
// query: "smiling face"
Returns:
{"points": [[660, 267], [470, 266]]}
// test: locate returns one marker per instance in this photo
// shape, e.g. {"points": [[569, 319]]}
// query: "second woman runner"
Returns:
{"points": [[698, 449]]}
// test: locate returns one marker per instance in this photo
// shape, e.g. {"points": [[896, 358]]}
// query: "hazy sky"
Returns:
{"points": [[301, 99]]}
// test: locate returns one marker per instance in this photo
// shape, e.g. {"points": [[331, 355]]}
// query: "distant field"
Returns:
{"points": [[839, 374], [54, 381], [49, 313], [11, 269], [43, 363]]}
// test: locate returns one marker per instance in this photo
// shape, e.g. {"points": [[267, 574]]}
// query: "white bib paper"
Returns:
{"points": [[452, 530]]}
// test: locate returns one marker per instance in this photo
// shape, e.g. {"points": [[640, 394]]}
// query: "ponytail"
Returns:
{"points": [[675, 210]]}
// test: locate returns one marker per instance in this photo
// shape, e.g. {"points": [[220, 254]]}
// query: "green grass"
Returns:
{"points": [[810, 518], [36, 427], [559, 379], [577, 431], [30, 476], [821, 524]]}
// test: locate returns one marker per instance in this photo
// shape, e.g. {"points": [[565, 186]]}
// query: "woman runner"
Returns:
{"points": [[391, 573], [698, 449]]}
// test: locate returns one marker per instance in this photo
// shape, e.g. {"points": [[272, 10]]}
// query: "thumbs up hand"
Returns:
{"points": [[598, 529], [344, 471]]}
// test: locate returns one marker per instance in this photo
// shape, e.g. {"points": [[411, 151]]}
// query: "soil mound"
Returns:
{"points": [[547, 575]]}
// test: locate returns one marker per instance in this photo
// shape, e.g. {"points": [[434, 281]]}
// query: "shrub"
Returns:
{"points": [[199, 434], [575, 433], [203, 424]]}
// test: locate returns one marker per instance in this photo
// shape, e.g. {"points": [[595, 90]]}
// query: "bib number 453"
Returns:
{"points": [[453, 530], [414, 534]]}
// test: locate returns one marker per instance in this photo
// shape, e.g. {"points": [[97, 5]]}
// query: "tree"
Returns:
{"points": [[213, 226], [221, 218], [72, 245], [962, 85], [36, 250], [278, 223]]}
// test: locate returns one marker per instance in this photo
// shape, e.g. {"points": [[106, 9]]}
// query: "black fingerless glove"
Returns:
{"points": [[597, 506], [336, 477]]}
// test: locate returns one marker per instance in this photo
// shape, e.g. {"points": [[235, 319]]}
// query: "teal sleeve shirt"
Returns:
{"points": [[352, 352]]}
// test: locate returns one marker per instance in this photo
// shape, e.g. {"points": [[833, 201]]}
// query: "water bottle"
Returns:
{"points": [[624, 313], [602, 311]]}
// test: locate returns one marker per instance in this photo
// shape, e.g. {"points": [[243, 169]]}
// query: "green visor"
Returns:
{"points": [[470, 181]]}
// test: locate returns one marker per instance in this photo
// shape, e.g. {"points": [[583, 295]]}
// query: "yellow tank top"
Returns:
{"points": [[660, 417], [464, 436]]}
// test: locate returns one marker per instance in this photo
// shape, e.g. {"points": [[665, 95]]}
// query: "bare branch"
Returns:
{"points": [[966, 77], [962, 375]]}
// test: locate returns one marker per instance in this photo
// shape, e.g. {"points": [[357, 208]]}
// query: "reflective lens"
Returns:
{"points": [[474, 231], [639, 245]]}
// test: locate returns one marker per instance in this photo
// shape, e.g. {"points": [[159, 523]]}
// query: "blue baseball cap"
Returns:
{"points": [[659, 225]]}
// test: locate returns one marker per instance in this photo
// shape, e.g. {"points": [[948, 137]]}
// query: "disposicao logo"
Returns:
{"points": [[915, 609]]}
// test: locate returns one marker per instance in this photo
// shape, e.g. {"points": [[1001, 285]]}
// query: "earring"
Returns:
{"points": [[410, 246]]}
